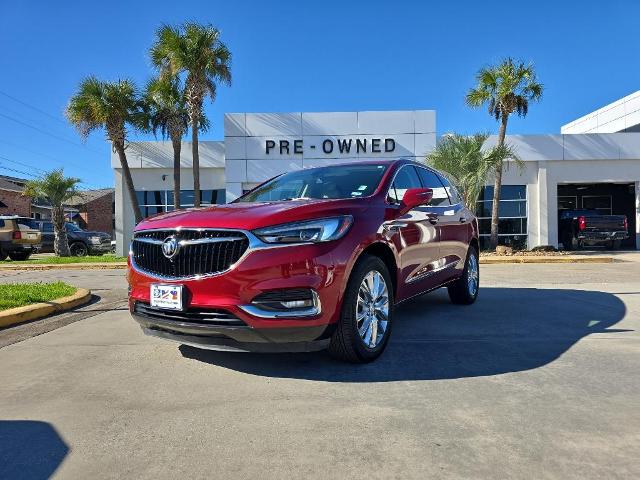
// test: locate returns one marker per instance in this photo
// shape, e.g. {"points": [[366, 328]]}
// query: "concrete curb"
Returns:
{"points": [[39, 310], [543, 259], [64, 266]]}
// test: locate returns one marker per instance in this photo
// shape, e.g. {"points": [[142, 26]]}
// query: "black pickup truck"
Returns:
{"points": [[578, 228], [81, 242]]}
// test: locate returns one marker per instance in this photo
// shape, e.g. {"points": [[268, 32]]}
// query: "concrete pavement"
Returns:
{"points": [[538, 379]]}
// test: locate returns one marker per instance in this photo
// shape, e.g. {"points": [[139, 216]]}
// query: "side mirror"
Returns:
{"points": [[414, 197]]}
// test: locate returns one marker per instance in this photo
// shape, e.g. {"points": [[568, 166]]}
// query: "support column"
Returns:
{"points": [[637, 216], [548, 209]]}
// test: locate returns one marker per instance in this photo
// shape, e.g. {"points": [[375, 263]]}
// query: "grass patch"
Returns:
{"points": [[19, 294], [51, 259]]}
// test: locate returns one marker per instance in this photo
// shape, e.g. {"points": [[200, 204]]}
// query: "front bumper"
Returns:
{"points": [[238, 337], [99, 247], [319, 267]]}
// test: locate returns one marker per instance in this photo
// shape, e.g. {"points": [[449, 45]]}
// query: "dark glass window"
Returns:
{"points": [[430, 180], [507, 192], [406, 178]]}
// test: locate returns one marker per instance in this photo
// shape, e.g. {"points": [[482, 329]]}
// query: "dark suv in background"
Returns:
{"points": [[81, 242]]}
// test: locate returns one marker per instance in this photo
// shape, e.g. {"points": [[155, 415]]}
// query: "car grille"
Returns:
{"points": [[199, 316], [201, 252]]}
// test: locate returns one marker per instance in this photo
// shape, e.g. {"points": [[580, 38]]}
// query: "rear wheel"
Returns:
{"points": [[78, 249], [3, 255], [19, 256], [464, 291], [366, 319]]}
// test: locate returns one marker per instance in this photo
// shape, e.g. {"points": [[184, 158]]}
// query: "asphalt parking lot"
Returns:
{"points": [[538, 379]]}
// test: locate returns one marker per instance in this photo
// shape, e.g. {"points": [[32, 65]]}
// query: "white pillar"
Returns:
{"points": [[637, 216]]}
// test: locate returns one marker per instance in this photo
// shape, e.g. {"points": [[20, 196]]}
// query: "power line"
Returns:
{"points": [[32, 107], [17, 171], [81, 167], [20, 163], [48, 133]]}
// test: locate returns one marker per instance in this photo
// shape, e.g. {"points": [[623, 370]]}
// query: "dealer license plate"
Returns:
{"points": [[166, 296]]}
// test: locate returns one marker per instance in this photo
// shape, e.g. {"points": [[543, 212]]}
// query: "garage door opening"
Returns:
{"points": [[604, 198]]}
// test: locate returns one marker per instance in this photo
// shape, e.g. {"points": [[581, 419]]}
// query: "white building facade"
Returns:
{"points": [[600, 170]]}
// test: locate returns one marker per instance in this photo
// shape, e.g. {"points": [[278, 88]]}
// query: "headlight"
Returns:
{"points": [[95, 240], [313, 231]]}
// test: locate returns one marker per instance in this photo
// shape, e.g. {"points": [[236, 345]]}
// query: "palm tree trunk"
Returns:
{"points": [[128, 181], [495, 208], [196, 159], [177, 147], [60, 242]]}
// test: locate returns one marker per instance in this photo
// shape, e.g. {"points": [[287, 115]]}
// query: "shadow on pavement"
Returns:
{"points": [[506, 330], [30, 450]]}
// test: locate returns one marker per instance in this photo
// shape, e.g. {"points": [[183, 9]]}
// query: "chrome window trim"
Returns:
{"points": [[416, 165]]}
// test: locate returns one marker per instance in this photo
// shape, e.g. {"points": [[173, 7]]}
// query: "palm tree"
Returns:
{"points": [[56, 189], [197, 52], [468, 164], [506, 88], [166, 111], [108, 105]]}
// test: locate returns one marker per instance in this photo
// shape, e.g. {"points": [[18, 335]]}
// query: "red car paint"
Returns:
{"points": [[423, 253]]}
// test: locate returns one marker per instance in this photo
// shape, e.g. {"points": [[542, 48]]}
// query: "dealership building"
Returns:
{"points": [[593, 163]]}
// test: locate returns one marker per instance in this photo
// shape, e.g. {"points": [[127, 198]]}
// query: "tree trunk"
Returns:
{"points": [[196, 158], [60, 243], [128, 181], [177, 147], [495, 209]]}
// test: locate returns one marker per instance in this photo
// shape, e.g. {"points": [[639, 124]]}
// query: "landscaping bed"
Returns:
{"points": [[20, 294]]}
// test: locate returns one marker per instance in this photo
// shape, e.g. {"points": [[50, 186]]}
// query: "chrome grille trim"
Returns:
{"points": [[206, 255]]}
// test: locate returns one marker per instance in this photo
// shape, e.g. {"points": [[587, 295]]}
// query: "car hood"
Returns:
{"points": [[91, 233], [248, 216]]}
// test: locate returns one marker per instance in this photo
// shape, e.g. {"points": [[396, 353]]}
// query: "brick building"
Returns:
{"points": [[12, 202], [94, 210], [91, 210]]}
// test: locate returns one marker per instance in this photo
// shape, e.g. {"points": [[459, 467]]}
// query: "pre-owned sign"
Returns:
{"points": [[329, 146]]}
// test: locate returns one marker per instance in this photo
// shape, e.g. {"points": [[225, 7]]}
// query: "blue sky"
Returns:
{"points": [[309, 56]]}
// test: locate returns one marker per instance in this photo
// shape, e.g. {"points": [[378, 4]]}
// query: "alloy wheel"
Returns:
{"points": [[472, 275], [372, 309]]}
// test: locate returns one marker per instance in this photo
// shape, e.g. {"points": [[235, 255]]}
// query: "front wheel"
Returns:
{"points": [[464, 291], [366, 318], [78, 249]]}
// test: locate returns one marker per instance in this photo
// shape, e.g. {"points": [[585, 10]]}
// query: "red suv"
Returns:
{"points": [[312, 259]]}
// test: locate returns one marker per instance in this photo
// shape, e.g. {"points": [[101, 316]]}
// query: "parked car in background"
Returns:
{"points": [[312, 259], [19, 237], [578, 228], [81, 242]]}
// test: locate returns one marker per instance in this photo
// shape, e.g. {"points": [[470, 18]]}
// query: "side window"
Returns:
{"points": [[433, 181], [405, 179], [47, 227], [454, 196]]}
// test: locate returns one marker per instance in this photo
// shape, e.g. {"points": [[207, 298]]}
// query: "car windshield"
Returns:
{"points": [[73, 227], [334, 182]]}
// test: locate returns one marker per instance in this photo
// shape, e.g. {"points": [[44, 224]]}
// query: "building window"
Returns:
{"points": [[153, 202], [512, 213]]}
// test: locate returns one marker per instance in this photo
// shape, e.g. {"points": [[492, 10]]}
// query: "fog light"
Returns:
{"points": [[297, 303]]}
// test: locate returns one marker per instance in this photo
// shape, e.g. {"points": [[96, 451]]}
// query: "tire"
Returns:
{"points": [[347, 343], [78, 249], [19, 256], [567, 242], [464, 290], [3, 255], [614, 244]]}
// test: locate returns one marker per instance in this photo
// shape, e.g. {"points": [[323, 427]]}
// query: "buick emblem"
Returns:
{"points": [[170, 247]]}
